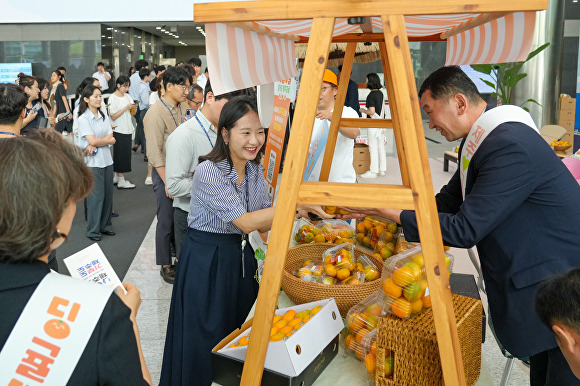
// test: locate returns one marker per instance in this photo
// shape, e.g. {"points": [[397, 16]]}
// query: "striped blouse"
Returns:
{"points": [[217, 199]]}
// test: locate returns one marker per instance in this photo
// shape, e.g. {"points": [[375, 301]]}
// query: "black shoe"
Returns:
{"points": [[95, 238], [108, 233], [168, 273], [134, 148], [145, 159], [114, 214]]}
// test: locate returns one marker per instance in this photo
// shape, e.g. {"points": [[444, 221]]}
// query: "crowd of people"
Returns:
{"points": [[205, 152]]}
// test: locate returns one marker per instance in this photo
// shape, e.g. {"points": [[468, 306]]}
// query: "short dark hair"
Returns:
{"points": [[448, 81], [176, 75], [28, 81], [144, 72], [140, 64], [122, 80], [194, 61], [61, 68], [195, 87], [160, 68], [13, 100], [232, 111], [42, 174], [558, 300], [228, 95], [374, 82], [89, 80], [100, 64]]}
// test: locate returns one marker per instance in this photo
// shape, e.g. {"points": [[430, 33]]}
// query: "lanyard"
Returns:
{"points": [[204, 130], [168, 109], [8, 133]]}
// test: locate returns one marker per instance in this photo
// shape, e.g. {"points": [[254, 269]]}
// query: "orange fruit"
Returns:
{"points": [[392, 227], [273, 331], [343, 273], [367, 224], [295, 322], [280, 323], [235, 344], [316, 309], [330, 270], [286, 330], [412, 292], [402, 308], [416, 268], [303, 314], [374, 309], [355, 322], [349, 342], [277, 336], [426, 301], [276, 318], [299, 325], [289, 315], [416, 306], [366, 241], [390, 246], [403, 276], [389, 366], [424, 286], [360, 228], [371, 322], [380, 229], [391, 289], [385, 253], [359, 237], [371, 273], [370, 362], [377, 255], [418, 259], [319, 239], [360, 334], [374, 348], [330, 209]]}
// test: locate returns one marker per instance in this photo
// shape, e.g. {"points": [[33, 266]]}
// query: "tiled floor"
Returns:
{"points": [[156, 294]]}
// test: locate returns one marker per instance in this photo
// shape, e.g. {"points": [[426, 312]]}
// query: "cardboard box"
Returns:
{"points": [[299, 358], [568, 125], [567, 103], [566, 115], [361, 160]]}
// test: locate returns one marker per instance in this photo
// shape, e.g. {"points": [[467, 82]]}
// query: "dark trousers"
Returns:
{"points": [[179, 228], [100, 202], [549, 368], [139, 130], [164, 229]]}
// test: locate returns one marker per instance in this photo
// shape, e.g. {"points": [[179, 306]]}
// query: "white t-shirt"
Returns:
{"points": [[201, 81], [124, 123], [102, 79], [153, 97], [341, 169]]}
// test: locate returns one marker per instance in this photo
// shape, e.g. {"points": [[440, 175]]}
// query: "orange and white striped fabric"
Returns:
{"points": [[240, 58], [508, 39]]}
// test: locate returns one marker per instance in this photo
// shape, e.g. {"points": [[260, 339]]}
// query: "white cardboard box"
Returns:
{"points": [[291, 356]]}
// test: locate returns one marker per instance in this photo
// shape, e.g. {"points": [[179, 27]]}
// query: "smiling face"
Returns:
{"points": [[245, 139], [53, 77], [94, 101], [32, 91], [444, 116], [44, 93]]}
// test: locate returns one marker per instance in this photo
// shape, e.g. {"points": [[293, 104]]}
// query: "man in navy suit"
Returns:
{"points": [[518, 204]]}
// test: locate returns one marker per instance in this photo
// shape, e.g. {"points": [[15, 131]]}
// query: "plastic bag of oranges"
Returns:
{"points": [[305, 232], [369, 347], [311, 271], [404, 283], [362, 319], [340, 263], [377, 233], [337, 231]]}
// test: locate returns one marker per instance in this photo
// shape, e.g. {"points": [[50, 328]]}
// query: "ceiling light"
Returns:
{"points": [[116, 31], [103, 36], [176, 36], [157, 27], [198, 27]]}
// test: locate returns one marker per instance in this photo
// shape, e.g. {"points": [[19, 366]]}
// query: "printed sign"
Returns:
{"points": [[276, 133], [91, 264]]}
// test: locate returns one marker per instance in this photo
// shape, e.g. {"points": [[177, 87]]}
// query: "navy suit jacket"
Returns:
{"points": [[521, 210]]}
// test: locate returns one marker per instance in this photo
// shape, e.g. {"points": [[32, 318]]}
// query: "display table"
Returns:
{"points": [[347, 370]]}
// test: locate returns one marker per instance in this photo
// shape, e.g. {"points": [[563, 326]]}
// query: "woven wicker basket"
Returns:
{"points": [[414, 345], [300, 291]]}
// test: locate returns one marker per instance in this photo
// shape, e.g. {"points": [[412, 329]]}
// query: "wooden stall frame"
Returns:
{"points": [[416, 192]]}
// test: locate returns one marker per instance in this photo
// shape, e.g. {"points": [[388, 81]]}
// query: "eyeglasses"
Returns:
{"points": [[184, 88], [196, 103]]}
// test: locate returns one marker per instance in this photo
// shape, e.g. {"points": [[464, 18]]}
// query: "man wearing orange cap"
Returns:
{"points": [[341, 169]]}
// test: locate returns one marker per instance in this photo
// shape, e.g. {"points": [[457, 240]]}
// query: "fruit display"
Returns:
{"points": [[336, 232], [305, 232], [369, 347], [361, 320], [311, 271], [379, 234], [559, 143], [341, 264], [283, 326], [334, 210], [404, 283]]}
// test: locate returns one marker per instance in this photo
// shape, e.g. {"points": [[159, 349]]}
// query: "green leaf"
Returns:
{"points": [[525, 108], [513, 81], [259, 254], [490, 84], [537, 51], [484, 68]]}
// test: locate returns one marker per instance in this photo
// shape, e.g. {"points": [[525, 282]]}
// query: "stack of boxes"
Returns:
{"points": [[361, 159], [566, 116]]}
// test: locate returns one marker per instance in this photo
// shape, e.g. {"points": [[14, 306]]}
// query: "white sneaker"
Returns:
{"points": [[369, 174], [148, 181], [115, 179], [382, 173], [124, 184]]}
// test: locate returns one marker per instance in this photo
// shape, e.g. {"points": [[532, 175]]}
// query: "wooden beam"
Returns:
{"points": [[372, 37], [337, 113], [236, 11], [404, 91], [315, 63], [366, 123], [255, 27], [480, 20], [356, 195]]}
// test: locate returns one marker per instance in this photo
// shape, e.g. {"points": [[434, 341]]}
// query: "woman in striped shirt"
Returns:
{"points": [[215, 287]]}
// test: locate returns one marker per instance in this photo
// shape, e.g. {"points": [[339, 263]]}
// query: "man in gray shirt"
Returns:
{"points": [[193, 138]]}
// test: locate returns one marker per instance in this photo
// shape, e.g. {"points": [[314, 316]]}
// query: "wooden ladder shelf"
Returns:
{"points": [[416, 192]]}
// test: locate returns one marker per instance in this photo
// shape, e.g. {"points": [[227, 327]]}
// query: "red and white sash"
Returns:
{"points": [[52, 332], [484, 125]]}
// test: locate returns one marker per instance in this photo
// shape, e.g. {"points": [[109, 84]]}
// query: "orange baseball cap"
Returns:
{"points": [[330, 77]]}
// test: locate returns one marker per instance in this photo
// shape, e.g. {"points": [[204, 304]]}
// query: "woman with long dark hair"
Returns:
{"points": [[214, 286], [43, 97], [30, 86], [374, 107], [120, 107], [96, 138], [58, 97], [89, 80]]}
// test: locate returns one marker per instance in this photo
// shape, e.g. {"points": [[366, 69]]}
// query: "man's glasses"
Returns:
{"points": [[194, 102], [184, 88]]}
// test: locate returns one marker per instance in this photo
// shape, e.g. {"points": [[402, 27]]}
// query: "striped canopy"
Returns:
{"points": [[245, 57]]}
